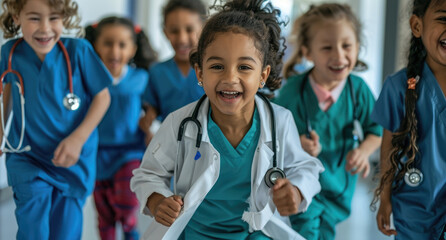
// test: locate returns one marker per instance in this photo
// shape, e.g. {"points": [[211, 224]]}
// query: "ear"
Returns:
{"points": [[199, 73], [416, 25], [16, 20], [264, 75], [306, 53]]}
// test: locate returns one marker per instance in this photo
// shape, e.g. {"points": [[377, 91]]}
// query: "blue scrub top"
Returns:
{"points": [[220, 214], [169, 90], [120, 139], [419, 212], [48, 122]]}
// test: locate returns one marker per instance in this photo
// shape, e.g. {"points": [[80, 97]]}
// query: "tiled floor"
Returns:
{"points": [[360, 226]]}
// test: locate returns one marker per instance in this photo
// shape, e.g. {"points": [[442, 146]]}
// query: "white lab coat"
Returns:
{"points": [[195, 178]]}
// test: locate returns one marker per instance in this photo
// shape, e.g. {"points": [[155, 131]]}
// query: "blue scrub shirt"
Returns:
{"points": [[48, 122], [120, 139], [169, 90], [418, 212], [220, 214]]}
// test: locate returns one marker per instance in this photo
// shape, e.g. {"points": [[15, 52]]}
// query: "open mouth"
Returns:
{"points": [[229, 94], [43, 40], [443, 43], [338, 68]]}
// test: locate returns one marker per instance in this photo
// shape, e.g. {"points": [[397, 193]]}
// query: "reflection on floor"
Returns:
{"points": [[361, 224]]}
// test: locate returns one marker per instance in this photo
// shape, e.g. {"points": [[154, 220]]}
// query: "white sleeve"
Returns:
{"points": [[157, 166], [300, 168]]}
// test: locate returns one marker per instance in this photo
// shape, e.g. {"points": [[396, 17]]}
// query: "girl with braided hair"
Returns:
{"points": [[220, 191], [412, 110]]}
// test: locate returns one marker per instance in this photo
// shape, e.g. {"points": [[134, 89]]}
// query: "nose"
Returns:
{"points": [[338, 53], [182, 36], [115, 50], [45, 25], [231, 76]]}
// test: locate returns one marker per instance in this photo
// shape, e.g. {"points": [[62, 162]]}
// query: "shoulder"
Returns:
{"points": [[8, 45], [75, 43], [291, 88], [161, 66], [397, 82], [138, 72]]}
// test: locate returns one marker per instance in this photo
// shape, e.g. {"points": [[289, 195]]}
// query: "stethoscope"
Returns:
{"points": [[271, 175], [357, 133], [70, 101]]}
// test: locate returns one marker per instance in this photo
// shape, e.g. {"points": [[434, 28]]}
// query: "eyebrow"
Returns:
{"points": [[440, 11], [246, 58]]}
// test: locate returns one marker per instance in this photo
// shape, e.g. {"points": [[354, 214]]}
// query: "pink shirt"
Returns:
{"points": [[324, 97]]}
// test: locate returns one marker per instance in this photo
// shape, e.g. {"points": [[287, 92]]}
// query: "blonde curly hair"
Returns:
{"points": [[67, 8]]}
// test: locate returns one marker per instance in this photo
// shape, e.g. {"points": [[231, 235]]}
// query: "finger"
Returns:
{"points": [[163, 221], [57, 153], [366, 171], [178, 199], [60, 160], [358, 168], [279, 184], [314, 136]]}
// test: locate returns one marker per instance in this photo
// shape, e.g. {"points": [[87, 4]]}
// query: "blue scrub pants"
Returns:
{"points": [[44, 213]]}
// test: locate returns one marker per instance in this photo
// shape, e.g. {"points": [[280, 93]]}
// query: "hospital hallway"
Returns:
{"points": [[360, 225]]}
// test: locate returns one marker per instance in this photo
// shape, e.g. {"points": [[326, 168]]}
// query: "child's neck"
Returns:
{"points": [[439, 73], [328, 84], [234, 127], [184, 66]]}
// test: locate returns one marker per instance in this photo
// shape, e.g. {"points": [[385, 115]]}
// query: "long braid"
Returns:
{"points": [[404, 140]]}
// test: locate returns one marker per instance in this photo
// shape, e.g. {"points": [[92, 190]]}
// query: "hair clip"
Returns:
{"points": [[411, 82]]}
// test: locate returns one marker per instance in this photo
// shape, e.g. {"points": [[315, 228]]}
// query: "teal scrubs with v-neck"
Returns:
{"points": [[220, 214], [168, 89], [334, 127]]}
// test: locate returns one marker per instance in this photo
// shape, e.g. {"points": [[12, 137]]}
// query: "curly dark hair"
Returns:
{"points": [[67, 8], [254, 18], [144, 56], [404, 140]]}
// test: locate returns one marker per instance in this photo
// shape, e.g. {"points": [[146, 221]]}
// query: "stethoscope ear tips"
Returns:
{"points": [[272, 175]]}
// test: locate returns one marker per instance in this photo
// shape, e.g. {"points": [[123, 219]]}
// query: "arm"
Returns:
{"points": [[385, 207], [68, 151], [146, 122], [358, 158], [301, 169]]}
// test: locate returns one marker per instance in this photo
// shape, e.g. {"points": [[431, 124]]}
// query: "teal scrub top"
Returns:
{"points": [[48, 122], [418, 212], [220, 214], [334, 128]]}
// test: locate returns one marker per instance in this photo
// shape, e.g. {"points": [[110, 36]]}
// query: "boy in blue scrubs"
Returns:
{"points": [[52, 177], [412, 110], [173, 83]]}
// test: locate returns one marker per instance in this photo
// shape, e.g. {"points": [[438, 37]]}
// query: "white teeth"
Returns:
{"points": [[443, 42], [232, 93], [337, 67]]}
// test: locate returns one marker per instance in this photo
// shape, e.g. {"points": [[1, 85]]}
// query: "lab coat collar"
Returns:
{"points": [[262, 108]]}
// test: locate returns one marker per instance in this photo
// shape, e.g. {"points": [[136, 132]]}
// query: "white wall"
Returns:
{"points": [[93, 10]]}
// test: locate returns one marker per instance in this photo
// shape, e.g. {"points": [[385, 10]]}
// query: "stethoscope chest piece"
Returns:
{"points": [[272, 175], [71, 102], [413, 177]]}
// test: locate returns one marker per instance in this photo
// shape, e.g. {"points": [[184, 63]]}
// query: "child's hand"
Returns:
{"points": [[148, 137], [145, 122], [311, 146], [383, 218], [286, 197], [358, 161], [68, 151], [166, 210]]}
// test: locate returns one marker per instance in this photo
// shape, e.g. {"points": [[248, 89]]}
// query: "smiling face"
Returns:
{"points": [[333, 49], [232, 73], [41, 26], [432, 30], [183, 28], [115, 46]]}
